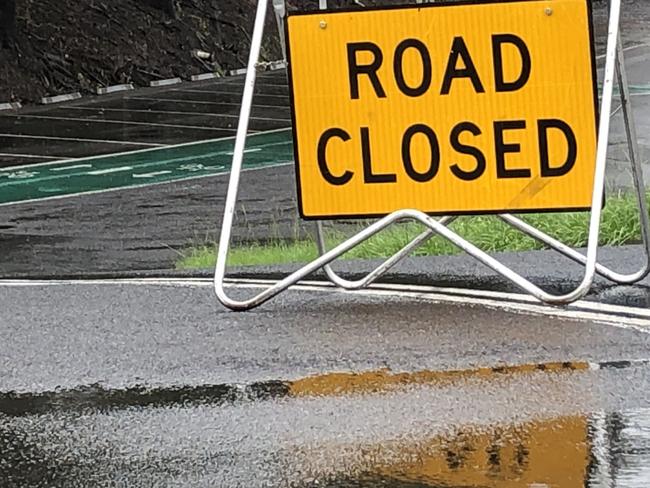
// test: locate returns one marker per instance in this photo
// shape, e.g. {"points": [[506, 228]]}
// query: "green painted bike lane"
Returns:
{"points": [[140, 168]]}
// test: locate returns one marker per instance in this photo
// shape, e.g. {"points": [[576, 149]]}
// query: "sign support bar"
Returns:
{"points": [[614, 67]]}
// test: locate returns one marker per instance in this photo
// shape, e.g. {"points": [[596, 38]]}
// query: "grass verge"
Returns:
{"points": [[620, 225]]}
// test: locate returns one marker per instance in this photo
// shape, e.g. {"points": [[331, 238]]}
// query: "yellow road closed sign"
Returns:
{"points": [[468, 108]]}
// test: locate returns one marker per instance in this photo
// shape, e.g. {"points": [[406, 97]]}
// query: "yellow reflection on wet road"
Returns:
{"points": [[546, 453], [551, 453]]}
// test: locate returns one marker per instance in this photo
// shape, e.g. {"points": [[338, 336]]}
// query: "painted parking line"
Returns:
{"points": [[264, 75], [70, 168], [81, 139], [109, 170], [174, 112], [265, 89], [120, 122], [185, 106], [140, 168], [220, 92], [628, 48], [100, 126], [203, 102], [30, 156], [261, 86], [247, 151], [151, 175], [259, 99]]}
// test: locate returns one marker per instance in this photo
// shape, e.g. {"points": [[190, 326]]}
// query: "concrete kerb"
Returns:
{"points": [[269, 66], [167, 82], [104, 90], [204, 76], [10, 106], [61, 98], [236, 72]]}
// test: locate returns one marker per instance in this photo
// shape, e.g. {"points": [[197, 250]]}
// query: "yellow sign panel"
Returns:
{"points": [[444, 108]]}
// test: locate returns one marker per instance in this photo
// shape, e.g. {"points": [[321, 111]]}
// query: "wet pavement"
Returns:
{"points": [[140, 119], [121, 335], [405, 437], [157, 385], [143, 228]]}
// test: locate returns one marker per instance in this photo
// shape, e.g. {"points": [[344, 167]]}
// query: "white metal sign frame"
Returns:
{"points": [[614, 72]]}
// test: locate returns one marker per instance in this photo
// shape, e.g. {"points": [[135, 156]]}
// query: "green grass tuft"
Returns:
{"points": [[620, 225]]}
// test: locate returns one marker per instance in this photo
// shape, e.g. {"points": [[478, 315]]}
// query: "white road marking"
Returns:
{"points": [[281, 143], [497, 295], [629, 48], [174, 112], [144, 185], [137, 151], [68, 168], [632, 318], [200, 102], [151, 175], [110, 170], [235, 83], [192, 167], [30, 156], [122, 122], [252, 149], [613, 315], [258, 148], [236, 89], [20, 175], [79, 139], [217, 92]]}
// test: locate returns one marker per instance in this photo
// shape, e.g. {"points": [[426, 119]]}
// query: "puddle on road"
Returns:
{"points": [[596, 451], [338, 430], [564, 452]]}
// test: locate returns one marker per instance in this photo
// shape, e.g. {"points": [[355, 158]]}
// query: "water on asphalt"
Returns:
{"points": [[118, 386], [559, 427], [124, 385]]}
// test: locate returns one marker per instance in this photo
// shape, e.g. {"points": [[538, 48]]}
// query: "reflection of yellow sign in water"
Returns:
{"points": [[546, 453], [551, 453], [444, 108]]}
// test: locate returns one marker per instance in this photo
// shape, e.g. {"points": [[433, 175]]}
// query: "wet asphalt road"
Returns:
{"points": [[508, 432], [160, 386], [128, 334], [140, 229]]}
